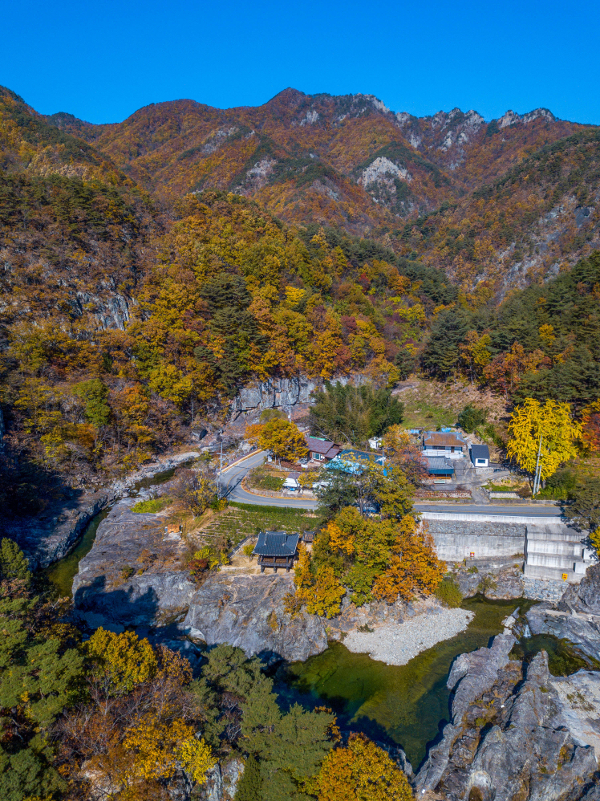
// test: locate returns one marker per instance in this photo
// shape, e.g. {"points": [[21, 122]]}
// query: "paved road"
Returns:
{"points": [[232, 478]]}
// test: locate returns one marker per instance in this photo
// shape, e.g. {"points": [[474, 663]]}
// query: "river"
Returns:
{"points": [[62, 573], [406, 705]]}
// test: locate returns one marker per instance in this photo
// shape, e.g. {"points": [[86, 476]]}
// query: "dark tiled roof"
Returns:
{"points": [[480, 452], [276, 543], [438, 466], [322, 446], [438, 439]]}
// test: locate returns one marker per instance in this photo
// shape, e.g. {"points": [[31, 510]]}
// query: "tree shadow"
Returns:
{"points": [[119, 608]]}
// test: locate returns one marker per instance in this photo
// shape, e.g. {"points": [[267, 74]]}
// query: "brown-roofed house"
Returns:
{"points": [[322, 450], [443, 443]]}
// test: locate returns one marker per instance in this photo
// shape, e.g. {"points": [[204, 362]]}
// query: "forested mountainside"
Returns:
{"points": [[541, 216], [467, 189], [120, 326], [124, 319]]}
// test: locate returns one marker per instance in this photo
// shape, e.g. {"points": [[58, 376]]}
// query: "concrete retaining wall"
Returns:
{"points": [[457, 540]]}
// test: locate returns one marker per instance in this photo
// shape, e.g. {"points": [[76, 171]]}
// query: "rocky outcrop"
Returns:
{"points": [[248, 612], [498, 579], [222, 781], [275, 392], [51, 535], [512, 734], [576, 617], [133, 575], [282, 392]]}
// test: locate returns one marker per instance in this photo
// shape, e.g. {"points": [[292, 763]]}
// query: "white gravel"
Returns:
{"points": [[397, 644]]}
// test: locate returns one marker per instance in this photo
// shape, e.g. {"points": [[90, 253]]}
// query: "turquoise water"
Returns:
{"points": [[407, 704]]}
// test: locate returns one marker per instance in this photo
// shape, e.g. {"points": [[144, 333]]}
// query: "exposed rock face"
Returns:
{"points": [[48, 537], [576, 616], [274, 392], [495, 579], [106, 595], [51, 535], [248, 612], [510, 733]]}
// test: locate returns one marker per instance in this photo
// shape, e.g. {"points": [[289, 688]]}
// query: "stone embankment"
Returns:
{"points": [[51, 535], [398, 644], [515, 732]]}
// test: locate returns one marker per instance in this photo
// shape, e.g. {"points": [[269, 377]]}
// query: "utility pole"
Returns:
{"points": [[220, 436], [538, 470]]}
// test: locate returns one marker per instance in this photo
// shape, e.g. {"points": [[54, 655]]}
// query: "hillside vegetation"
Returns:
{"points": [[130, 310], [496, 203]]}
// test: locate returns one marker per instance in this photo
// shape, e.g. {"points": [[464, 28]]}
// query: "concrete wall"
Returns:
{"points": [[456, 540]]}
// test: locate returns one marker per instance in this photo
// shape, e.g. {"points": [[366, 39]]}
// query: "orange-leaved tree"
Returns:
{"points": [[413, 565], [361, 771]]}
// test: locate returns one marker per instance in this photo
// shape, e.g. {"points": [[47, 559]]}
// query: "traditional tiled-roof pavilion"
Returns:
{"points": [[276, 549]]}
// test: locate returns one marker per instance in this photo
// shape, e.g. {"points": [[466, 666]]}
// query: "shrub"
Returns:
{"points": [[152, 505], [471, 418], [448, 592]]}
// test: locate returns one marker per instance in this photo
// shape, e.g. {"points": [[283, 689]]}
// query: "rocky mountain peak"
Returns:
{"points": [[512, 118]]}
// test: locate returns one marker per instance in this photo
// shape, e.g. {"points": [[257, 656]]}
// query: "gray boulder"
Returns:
{"points": [[248, 612], [576, 617], [133, 575]]}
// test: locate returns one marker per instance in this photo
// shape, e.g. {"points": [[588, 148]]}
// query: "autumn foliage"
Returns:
{"points": [[368, 558], [361, 771]]}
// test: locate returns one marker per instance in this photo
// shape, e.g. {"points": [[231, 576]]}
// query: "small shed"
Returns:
{"points": [[276, 549], [291, 481], [480, 455]]}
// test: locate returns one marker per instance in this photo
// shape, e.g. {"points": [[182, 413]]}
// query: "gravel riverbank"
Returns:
{"points": [[397, 644]]}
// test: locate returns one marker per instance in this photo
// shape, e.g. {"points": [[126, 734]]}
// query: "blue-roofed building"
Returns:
{"points": [[351, 461], [439, 468], [276, 549]]}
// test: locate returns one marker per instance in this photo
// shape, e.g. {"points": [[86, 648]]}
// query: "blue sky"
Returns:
{"points": [[102, 60]]}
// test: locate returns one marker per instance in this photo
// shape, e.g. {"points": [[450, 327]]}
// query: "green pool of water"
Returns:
{"points": [[62, 573], [406, 704], [563, 657]]}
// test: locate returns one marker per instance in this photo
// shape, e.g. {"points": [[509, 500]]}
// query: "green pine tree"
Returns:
{"points": [[250, 785], [13, 563]]}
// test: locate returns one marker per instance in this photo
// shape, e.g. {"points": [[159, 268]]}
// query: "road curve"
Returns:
{"points": [[231, 481]]}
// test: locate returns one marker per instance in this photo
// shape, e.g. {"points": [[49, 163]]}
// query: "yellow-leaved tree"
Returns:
{"points": [[322, 593], [546, 428], [121, 661], [155, 748], [281, 437], [361, 771]]}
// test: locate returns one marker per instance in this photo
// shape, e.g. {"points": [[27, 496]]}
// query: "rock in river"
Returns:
{"points": [[576, 617], [133, 576], [516, 732], [248, 611]]}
